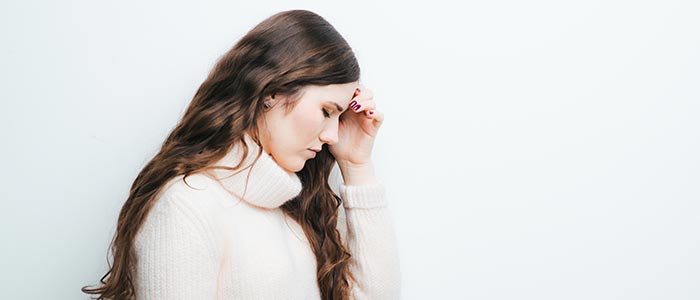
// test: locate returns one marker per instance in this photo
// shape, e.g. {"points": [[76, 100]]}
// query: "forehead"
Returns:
{"points": [[339, 93]]}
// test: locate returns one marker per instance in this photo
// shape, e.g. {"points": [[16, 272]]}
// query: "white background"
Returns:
{"points": [[531, 149]]}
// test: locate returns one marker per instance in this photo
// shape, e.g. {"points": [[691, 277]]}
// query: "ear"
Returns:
{"points": [[269, 101]]}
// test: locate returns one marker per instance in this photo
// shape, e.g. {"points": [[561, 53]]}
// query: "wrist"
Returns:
{"points": [[357, 174]]}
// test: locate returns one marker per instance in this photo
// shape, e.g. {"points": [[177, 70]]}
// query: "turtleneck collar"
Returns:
{"points": [[269, 185]]}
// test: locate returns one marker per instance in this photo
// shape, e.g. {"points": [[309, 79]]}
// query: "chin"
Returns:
{"points": [[289, 166], [293, 167]]}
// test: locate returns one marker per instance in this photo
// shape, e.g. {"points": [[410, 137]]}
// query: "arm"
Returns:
{"points": [[175, 254], [370, 237]]}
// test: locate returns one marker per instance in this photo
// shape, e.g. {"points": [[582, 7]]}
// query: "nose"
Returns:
{"points": [[329, 134]]}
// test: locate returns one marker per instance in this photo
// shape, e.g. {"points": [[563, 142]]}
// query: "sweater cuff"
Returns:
{"points": [[363, 196]]}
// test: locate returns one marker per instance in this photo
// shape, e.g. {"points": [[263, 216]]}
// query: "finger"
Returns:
{"points": [[378, 116], [357, 92], [363, 92], [364, 106]]}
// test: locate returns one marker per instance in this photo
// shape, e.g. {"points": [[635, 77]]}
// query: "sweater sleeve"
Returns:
{"points": [[372, 242], [175, 254]]}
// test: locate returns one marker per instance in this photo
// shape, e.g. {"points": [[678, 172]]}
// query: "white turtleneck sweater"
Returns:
{"points": [[209, 239]]}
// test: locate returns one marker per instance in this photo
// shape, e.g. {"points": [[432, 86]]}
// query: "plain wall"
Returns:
{"points": [[531, 149]]}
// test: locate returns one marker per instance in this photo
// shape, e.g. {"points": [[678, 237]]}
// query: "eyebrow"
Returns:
{"points": [[337, 106]]}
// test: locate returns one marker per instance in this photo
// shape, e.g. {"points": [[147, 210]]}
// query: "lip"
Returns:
{"points": [[313, 152]]}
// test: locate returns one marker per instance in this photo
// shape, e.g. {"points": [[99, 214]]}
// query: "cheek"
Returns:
{"points": [[306, 125]]}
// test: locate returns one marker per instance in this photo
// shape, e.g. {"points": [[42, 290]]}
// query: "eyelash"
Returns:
{"points": [[326, 113]]}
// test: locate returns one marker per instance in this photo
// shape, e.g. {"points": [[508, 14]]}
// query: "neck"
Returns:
{"points": [[261, 182]]}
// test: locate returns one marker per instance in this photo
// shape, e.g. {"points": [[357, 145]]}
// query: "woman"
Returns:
{"points": [[237, 202]]}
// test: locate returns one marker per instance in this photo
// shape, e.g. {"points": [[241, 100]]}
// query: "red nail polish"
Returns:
{"points": [[371, 112], [358, 107]]}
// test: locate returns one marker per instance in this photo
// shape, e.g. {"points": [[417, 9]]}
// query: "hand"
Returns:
{"points": [[357, 129]]}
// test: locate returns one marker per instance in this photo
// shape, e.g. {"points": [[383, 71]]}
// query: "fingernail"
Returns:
{"points": [[358, 107], [371, 112], [353, 103]]}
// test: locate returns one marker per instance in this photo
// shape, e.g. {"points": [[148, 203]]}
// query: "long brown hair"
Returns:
{"points": [[280, 55]]}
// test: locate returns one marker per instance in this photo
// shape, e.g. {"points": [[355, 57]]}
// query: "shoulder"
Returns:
{"points": [[197, 190], [194, 185], [189, 207], [190, 197], [195, 200]]}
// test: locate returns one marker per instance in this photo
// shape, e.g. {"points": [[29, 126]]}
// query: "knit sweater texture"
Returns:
{"points": [[210, 237]]}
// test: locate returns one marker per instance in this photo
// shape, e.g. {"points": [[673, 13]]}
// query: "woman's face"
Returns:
{"points": [[288, 137]]}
